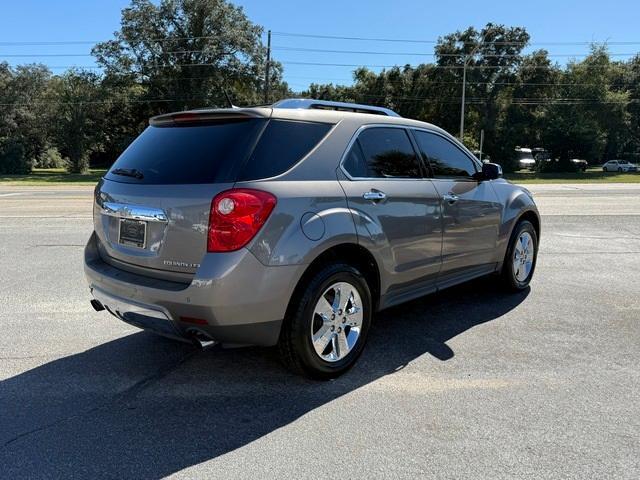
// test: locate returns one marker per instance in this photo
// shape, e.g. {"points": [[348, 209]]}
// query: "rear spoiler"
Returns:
{"points": [[196, 116]]}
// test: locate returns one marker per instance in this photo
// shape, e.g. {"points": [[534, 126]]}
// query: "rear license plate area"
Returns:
{"points": [[132, 233]]}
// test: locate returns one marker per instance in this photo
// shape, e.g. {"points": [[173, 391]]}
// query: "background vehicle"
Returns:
{"points": [[310, 217], [581, 164], [526, 160], [619, 166]]}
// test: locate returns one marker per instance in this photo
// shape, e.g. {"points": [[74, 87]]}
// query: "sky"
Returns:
{"points": [[551, 25]]}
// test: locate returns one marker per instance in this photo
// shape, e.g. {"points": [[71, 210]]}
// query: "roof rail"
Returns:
{"points": [[310, 103]]}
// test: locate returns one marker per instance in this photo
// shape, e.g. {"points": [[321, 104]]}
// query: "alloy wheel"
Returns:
{"points": [[523, 256], [337, 322]]}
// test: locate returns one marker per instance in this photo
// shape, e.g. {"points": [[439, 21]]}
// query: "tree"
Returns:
{"points": [[185, 53], [526, 103], [588, 117], [80, 106], [493, 56], [24, 132]]}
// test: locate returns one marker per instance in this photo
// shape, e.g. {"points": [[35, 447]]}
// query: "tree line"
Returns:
{"points": [[182, 54]]}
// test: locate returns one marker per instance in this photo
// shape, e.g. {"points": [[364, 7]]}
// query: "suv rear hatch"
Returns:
{"points": [[151, 210]]}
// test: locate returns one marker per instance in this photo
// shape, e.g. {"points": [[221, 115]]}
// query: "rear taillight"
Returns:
{"points": [[236, 216]]}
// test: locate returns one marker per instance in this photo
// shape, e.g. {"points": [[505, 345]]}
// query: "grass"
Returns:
{"points": [[592, 175], [58, 176], [53, 176]]}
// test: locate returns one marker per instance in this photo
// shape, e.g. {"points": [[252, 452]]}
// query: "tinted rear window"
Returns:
{"points": [[283, 144], [188, 154]]}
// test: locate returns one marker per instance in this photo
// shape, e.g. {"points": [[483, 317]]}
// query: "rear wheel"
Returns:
{"points": [[327, 324], [619, 169], [520, 259]]}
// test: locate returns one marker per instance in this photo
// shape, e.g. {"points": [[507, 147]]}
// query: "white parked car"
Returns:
{"points": [[619, 166]]}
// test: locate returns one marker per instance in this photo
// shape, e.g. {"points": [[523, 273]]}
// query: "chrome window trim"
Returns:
{"points": [[455, 143]]}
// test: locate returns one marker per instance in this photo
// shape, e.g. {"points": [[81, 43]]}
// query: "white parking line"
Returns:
{"points": [[12, 194]]}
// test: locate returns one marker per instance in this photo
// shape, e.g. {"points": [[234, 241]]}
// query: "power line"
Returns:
{"points": [[444, 55], [400, 40], [438, 99], [322, 50], [309, 35], [425, 81], [434, 66], [93, 42]]}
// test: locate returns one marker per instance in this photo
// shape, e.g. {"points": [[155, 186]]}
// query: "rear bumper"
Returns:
{"points": [[233, 298]]}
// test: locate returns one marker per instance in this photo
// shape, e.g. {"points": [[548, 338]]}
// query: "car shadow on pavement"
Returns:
{"points": [[143, 406]]}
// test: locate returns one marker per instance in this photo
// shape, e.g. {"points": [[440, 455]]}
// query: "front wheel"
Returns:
{"points": [[327, 323], [520, 259], [604, 169], [619, 169]]}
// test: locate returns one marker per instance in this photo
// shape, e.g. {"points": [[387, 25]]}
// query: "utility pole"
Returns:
{"points": [[464, 92], [467, 59], [267, 70]]}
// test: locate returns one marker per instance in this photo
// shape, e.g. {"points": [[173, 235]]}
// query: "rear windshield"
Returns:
{"points": [[187, 154], [213, 153]]}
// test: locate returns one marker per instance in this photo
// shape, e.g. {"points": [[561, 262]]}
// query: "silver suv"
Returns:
{"points": [[292, 224]]}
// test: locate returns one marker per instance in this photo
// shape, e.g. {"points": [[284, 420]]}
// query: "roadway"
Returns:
{"points": [[470, 382]]}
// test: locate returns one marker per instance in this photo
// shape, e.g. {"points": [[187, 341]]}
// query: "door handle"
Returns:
{"points": [[450, 197], [374, 195]]}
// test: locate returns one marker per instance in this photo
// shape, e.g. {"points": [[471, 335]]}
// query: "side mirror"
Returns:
{"points": [[491, 171]]}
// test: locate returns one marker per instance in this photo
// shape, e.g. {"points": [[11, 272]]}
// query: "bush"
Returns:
{"points": [[51, 158], [13, 159]]}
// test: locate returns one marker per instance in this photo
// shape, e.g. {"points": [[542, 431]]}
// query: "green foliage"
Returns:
{"points": [[184, 53], [51, 158], [13, 159], [79, 115], [177, 54], [590, 109]]}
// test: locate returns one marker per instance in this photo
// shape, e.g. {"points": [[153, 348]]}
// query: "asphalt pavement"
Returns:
{"points": [[468, 383]]}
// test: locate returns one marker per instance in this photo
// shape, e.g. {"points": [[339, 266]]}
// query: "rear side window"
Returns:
{"points": [[188, 154], [283, 144], [446, 159], [382, 152]]}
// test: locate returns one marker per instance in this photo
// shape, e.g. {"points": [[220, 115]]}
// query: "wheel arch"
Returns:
{"points": [[351, 254], [533, 218]]}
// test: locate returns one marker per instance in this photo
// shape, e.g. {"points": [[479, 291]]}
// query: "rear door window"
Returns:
{"points": [[383, 152], [188, 154], [283, 144]]}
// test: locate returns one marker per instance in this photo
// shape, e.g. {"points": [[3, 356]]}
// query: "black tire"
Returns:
{"points": [[604, 169], [619, 169], [295, 345], [508, 275]]}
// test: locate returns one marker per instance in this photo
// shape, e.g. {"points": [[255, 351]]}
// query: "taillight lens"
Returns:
{"points": [[236, 216]]}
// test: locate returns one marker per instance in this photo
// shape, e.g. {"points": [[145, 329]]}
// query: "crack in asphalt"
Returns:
{"points": [[127, 393]]}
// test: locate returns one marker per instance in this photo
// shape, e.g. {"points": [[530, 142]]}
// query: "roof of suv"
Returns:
{"points": [[301, 109]]}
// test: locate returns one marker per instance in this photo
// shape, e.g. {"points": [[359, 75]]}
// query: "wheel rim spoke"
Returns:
{"points": [[322, 338], [336, 299], [324, 308], [343, 345]]}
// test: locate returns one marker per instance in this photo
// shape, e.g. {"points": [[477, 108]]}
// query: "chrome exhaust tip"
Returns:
{"points": [[200, 339]]}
